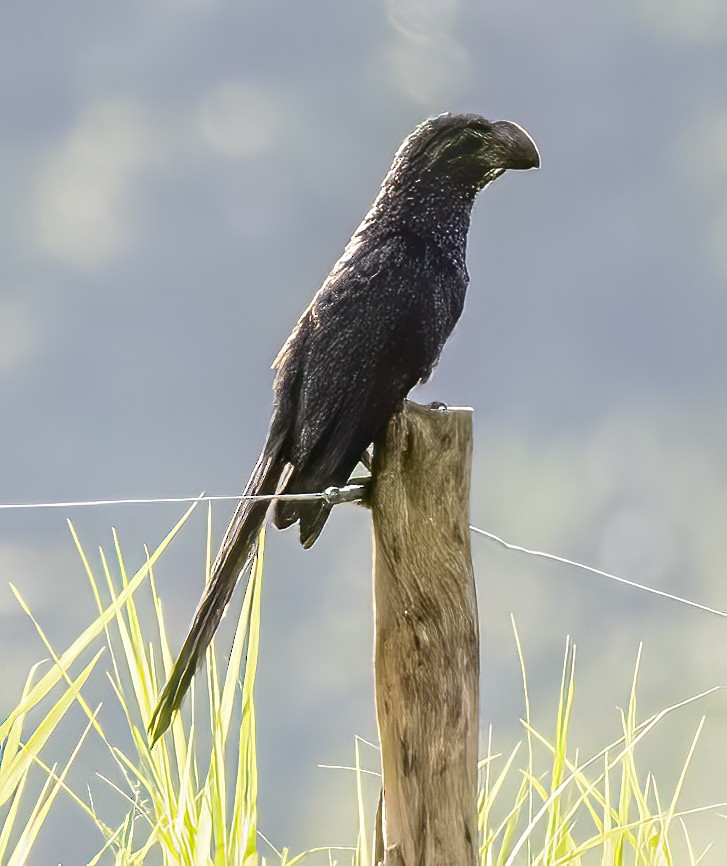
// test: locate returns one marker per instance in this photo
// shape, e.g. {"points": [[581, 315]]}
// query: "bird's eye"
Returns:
{"points": [[474, 139], [467, 143], [452, 147]]}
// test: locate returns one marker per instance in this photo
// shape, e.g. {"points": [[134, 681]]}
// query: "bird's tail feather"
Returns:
{"points": [[236, 552]]}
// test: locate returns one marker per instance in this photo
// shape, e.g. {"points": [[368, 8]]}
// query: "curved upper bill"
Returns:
{"points": [[521, 150]]}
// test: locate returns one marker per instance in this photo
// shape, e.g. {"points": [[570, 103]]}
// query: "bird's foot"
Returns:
{"points": [[355, 491]]}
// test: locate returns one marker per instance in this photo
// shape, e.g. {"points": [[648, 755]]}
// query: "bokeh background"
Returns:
{"points": [[177, 178]]}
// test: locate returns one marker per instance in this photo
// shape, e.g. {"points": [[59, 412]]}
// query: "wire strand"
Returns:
{"points": [[86, 503], [335, 495], [632, 583]]}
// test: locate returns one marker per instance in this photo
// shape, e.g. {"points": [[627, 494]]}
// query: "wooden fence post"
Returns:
{"points": [[426, 652]]}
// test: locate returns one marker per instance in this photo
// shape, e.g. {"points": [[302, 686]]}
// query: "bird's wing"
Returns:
{"points": [[357, 351], [365, 349]]}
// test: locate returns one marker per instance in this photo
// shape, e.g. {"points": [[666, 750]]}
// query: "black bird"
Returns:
{"points": [[373, 330]]}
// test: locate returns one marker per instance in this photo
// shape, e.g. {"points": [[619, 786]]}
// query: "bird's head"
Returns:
{"points": [[466, 149]]}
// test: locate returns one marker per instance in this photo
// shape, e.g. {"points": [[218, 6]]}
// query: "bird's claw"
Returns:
{"points": [[355, 491]]}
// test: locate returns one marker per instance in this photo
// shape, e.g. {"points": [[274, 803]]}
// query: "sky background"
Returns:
{"points": [[177, 178]]}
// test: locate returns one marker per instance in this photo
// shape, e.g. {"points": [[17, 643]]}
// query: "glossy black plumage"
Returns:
{"points": [[374, 329]]}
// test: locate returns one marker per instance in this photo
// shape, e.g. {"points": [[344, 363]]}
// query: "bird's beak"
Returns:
{"points": [[519, 148]]}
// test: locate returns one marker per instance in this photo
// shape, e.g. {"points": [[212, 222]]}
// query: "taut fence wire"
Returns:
{"points": [[334, 495]]}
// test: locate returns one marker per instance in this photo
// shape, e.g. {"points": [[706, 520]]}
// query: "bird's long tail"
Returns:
{"points": [[236, 552]]}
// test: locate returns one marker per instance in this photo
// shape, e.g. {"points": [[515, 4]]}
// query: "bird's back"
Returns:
{"points": [[375, 328]]}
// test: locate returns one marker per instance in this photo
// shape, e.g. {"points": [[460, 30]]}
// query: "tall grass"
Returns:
{"points": [[192, 799], [568, 810]]}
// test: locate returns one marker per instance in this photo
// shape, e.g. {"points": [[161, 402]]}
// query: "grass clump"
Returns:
{"points": [[194, 797], [567, 810]]}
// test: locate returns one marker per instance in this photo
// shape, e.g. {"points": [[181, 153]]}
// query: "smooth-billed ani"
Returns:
{"points": [[373, 330]]}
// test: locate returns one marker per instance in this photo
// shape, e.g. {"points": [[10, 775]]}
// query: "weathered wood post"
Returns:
{"points": [[426, 652]]}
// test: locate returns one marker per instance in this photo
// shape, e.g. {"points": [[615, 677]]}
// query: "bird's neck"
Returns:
{"points": [[438, 213]]}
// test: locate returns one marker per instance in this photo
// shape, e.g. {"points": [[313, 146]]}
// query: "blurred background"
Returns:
{"points": [[178, 177]]}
